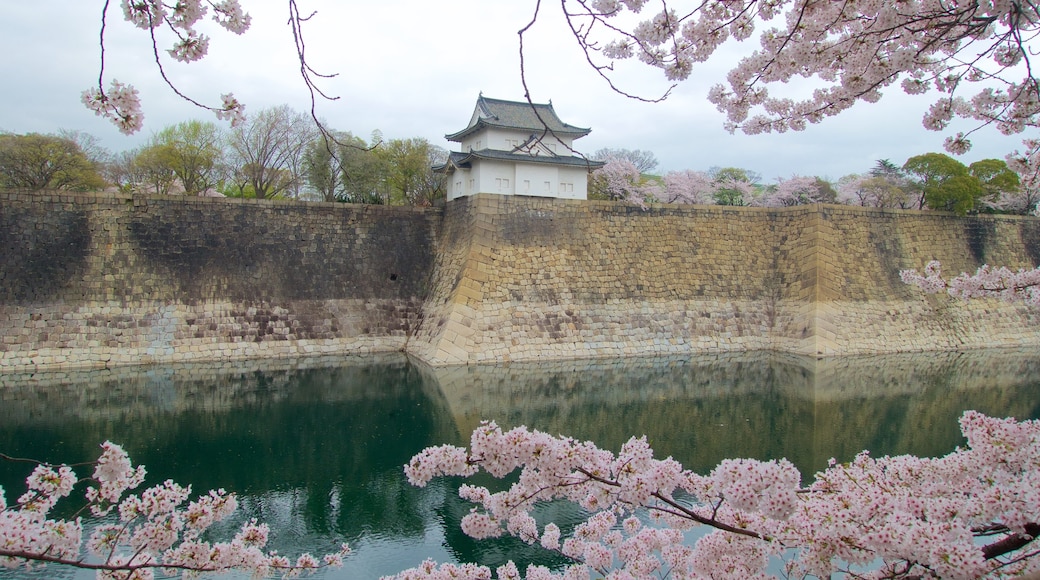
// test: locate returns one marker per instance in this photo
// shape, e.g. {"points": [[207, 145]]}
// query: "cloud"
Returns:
{"points": [[414, 69]]}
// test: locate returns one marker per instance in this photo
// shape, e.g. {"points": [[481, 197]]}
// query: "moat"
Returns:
{"points": [[315, 446]]}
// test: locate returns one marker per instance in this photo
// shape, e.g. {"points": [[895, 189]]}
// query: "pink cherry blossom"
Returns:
{"points": [[154, 530], [851, 52], [798, 190], [970, 513], [1022, 285], [120, 103]]}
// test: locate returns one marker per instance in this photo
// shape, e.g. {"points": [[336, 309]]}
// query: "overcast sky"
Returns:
{"points": [[414, 68]]}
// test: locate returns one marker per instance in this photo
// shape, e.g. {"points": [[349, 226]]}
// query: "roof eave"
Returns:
{"points": [[568, 161], [575, 132]]}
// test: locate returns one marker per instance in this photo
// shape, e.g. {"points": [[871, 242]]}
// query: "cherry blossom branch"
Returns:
{"points": [[154, 531], [1011, 543], [120, 102], [581, 36], [1011, 286], [106, 566], [683, 511], [855, 49], [894, 517]]}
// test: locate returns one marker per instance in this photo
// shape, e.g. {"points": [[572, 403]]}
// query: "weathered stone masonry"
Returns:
{"points": [[532, 279], [92, 280]]}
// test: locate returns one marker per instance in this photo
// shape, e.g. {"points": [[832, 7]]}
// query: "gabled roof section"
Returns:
{"points": [[517, 115]]}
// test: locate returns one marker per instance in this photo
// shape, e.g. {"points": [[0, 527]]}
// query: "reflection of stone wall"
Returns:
{"points": [[136, 393], [540, 279], [104, 280], [697, 409], [705, 408]]}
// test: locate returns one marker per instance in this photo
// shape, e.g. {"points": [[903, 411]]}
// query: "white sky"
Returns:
{"points": [[414, 68]]}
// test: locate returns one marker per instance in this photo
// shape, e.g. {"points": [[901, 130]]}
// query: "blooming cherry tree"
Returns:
{"points": [[976, 57], [875, 191], [620, 180], [798, 190], [693, 187], [969, 514], [152, 531]]}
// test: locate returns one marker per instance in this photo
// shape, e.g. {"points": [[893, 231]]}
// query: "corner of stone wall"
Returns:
{"points": [[820, 265], [445, 335]]}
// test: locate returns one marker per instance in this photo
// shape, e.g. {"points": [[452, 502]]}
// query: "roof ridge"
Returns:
{"points": [[482, 104]]}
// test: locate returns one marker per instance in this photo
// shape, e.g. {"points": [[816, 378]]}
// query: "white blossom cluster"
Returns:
{"points": [[120, 102], [1020, 285], [153, 533]]}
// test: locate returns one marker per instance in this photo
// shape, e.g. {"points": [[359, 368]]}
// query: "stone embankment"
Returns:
{"points": [[104, 280], [91, 280], [534, 279]]}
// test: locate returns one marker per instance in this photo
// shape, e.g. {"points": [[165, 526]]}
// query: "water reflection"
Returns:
{"points": [[315, 446], [764, 405]]}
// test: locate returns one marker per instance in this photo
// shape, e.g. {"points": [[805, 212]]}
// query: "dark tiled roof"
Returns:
{"points": [[516, 115], [464, 159]]}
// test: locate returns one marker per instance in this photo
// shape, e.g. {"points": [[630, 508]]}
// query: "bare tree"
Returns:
{"points": [[267, 151]]}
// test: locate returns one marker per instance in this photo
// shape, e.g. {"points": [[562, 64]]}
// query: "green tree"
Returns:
{"points": [[195, 152], [996, 178], [152, 169], [322, 166], [35, 161], [363, 171], [734, 185], [827, 193], [408, 176], [945, 183], [885, 168]]}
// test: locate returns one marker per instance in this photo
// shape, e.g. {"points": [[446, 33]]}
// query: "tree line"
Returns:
{"points": [[280, 153], [275, 153], [930, 181]]}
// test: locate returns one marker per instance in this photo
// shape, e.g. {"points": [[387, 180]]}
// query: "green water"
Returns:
{"points": [[315, 446]]}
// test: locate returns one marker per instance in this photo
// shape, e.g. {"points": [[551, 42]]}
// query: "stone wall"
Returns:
{"points": [[96, 280], [534, 279]]}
